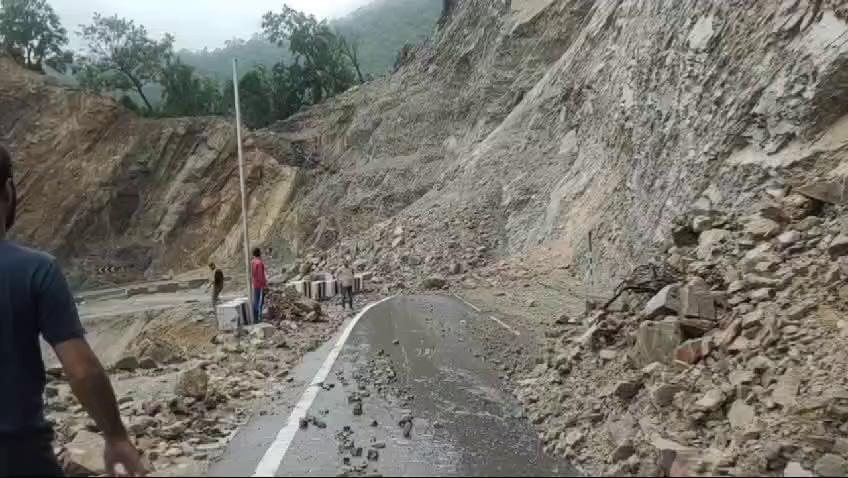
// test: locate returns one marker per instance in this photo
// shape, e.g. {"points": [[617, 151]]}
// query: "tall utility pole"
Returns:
{"points": [[248, 277]]}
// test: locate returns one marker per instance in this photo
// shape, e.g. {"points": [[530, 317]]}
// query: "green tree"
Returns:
{"points": [[317, 45], [288, 89], [32, 28], [350, 48], [187, 94], [122, 57], [255, 98]]}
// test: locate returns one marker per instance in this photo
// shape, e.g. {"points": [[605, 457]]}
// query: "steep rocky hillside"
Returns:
{"points": [[531, 123], [519, 128], [122, 198]]}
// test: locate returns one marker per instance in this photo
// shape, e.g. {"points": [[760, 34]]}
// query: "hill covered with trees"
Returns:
{"points": [[296, 60], [379, 30]]}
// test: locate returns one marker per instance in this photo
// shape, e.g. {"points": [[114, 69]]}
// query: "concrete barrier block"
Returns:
{"points": [[230, 314], [132, 291], [168, 287]]}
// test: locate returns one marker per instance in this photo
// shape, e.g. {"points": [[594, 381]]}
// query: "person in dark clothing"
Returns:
{"points": [[217, 284], [260, 283], [35, 300]]}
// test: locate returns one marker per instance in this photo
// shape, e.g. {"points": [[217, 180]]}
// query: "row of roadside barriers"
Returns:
{"points": [[231, 314], [327, 288]]}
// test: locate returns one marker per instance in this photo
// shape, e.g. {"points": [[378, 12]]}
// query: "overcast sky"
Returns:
{"points": [[196, 23]]}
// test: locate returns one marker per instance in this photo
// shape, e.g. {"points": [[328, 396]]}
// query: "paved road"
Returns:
{"points": [[409, 357]]}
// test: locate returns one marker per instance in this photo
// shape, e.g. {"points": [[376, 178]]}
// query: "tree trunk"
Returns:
{"points": [[358, 72], [139, 88]]}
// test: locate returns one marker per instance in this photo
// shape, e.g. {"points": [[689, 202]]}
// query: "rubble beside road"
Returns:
{"points": [[284, 304], [735, 367], [184, 389]]}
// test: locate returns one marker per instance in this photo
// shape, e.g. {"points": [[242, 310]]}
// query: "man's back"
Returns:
{"points": [[260, 280], [346, 277], [34, 299], [218, 279]]}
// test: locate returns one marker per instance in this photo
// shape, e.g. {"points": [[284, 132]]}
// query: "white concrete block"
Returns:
{"points": [[231, 313]]}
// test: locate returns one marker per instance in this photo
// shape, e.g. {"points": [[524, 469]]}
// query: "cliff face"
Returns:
{"points": [[541, 120], [521, 126], [121, 198]]}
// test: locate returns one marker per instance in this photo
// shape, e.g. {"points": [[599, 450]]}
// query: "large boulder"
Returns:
{"points": [[762, 228], [192, 383], [798, 206], [697, 301], [741, 415], [666, 302], [160, 351], [760, 259], [684, 236], [710, 401], [655, 342], [692, 351], [839, 246], [307, 305], [127, 363], [147, 363], [833, 192], [831, 465], [84, 455], [785, 393], [710, 241], [263, 331], [434, 282]]}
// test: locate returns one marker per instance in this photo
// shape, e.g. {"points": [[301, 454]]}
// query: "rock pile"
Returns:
{"points": [[425, 251], [738, 369], [286, 304], [183, 411], [184, 428]]}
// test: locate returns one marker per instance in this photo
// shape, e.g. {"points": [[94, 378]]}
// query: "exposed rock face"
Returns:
{"points": [[520, 126], [136, 194]]}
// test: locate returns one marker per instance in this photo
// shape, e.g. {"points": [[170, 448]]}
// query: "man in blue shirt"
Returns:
{"points": [[35, 300]]}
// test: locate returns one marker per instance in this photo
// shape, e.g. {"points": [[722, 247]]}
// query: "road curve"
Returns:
{"points": [[429, 406]]}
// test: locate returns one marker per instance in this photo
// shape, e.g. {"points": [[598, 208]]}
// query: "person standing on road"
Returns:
{"points": [[35, 300], [346, 279], [260, 283], [217, 284]]}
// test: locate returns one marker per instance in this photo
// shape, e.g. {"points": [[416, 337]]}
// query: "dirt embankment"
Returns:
{"points": [[120, 198]]}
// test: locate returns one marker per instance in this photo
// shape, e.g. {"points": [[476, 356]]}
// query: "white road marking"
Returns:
{"points": [[505, 326], [477, 309], [273, 458], [469, 304]]}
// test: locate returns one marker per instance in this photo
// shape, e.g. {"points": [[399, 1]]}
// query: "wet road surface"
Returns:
{"points": [[429, 405]]}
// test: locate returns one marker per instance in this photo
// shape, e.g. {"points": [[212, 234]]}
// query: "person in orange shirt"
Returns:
{"points": [[260, 283]]}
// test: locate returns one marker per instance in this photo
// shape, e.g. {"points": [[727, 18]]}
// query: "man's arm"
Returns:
{"points": [[60, 326], [91, 386], [94, 391]]}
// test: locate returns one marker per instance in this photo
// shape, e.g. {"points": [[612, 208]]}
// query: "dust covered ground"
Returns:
{"points": [[184, 389]]}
